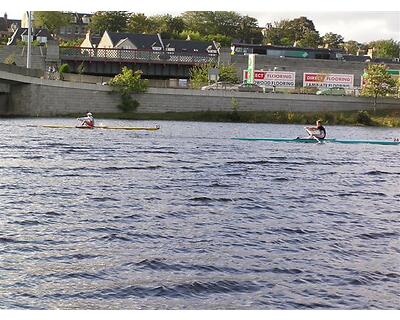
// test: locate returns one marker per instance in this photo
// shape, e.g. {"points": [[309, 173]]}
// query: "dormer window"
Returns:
{"points": [[85, 19]]}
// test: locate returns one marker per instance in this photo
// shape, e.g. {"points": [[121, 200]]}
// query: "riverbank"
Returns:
{"points": [[381, 118]]}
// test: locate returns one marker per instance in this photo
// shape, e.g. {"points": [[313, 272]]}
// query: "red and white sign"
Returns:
{"points": [[270, 79], [328, 80]]}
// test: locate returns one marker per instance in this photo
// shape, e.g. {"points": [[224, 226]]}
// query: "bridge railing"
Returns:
{"points": [[135, 55]]}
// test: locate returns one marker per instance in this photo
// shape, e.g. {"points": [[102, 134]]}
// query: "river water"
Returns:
{"points": [[186, 218]]}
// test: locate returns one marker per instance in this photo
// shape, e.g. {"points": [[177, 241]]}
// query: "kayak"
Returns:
{"points": [[103, 127], [307, 140]]}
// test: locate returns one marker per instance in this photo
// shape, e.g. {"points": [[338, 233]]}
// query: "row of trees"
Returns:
{"points": [[301, 32], [220, 26]]}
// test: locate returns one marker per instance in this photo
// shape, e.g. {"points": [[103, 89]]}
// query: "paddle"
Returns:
{"points": [[309, 132]]}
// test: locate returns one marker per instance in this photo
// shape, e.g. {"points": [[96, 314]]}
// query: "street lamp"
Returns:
{"points": [[28, 52]]}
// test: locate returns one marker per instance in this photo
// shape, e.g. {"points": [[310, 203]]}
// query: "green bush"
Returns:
{"points": [[64, 68], [127, 83], [128, 104], [199, 74], [364, 118]]}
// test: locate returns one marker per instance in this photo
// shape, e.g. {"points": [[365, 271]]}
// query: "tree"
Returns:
{"points": [[249, 31], [300, 31], [190, 35], [332, 40], [227, 23], [166, 25], [126, 83], [221, 39], [51, 20], [385, 48], [138, 23], [398, 87], [378, 82], [115, 21], [199, 74], [310, 39], [351, 47], [304, 30]]}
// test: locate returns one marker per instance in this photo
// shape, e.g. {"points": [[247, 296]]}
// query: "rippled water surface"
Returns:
{"points": [[186, 218]]}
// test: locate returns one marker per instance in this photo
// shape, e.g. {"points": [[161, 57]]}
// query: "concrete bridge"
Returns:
{"points": [[153, 64]]}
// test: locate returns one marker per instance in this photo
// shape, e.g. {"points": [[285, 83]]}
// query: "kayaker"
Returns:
{"points": [[318, 131], [87, 121]]}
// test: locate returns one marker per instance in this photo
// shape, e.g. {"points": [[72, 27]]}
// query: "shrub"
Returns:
{"points": [[126, 83], [199, 74], [64, 68], [10, 59], [363, 117]]}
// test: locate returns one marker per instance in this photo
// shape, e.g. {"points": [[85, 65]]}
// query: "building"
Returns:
{"points": [[8, 26], [190, 46], [91, 40], [151, 42], [286, 52], [76, 29], [121, 40], [21, 34]]}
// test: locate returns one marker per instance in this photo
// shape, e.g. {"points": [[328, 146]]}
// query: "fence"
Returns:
{"points": [[135, 55]]}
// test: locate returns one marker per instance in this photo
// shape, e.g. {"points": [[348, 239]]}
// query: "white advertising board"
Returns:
{"points": [[328, 80], [270, 79]]}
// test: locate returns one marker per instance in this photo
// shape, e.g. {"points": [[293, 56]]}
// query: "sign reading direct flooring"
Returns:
{"points": [[270, 79], [328, 80]]}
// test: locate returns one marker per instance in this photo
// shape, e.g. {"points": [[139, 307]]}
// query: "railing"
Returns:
{"points": [[136, 55]]}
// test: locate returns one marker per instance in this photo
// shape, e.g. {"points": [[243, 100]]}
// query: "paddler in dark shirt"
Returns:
{"points": [[318, 131]]}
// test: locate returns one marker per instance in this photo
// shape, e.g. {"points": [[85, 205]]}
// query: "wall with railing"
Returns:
{"points": [[135, 55]]}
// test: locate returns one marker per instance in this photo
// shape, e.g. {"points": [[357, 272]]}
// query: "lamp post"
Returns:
{"points": [[28, 52]]}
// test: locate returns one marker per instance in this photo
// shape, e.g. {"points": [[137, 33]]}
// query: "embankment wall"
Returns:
{"points": [[52, 98]]}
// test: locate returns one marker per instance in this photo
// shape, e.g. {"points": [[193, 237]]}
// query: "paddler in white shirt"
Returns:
{"points": [[87, 121]]}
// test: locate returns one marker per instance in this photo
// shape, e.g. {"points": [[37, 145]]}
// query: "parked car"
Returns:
{"points": [[221, 86], [332, 92], [250, 87]]}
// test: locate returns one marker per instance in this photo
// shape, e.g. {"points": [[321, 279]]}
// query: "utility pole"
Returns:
{"points": [[28, 52]]}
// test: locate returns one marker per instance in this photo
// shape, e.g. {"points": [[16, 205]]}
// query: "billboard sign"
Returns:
{"points": [[328, 80], [271, 79]]}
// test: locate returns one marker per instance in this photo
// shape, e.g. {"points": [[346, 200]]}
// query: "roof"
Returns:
{"points": [[289, 48], [141, 41], [3, 25], [148, 41], [95, 40], [78, 16], [190, 45], [350, 57], [24, 31], [384, 60]]}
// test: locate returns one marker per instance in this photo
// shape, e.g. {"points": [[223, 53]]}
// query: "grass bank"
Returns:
{"points": [[381, 118]]}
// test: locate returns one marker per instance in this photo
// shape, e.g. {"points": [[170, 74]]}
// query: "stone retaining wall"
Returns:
{"points": [[52, 98]]}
